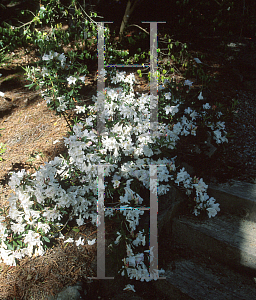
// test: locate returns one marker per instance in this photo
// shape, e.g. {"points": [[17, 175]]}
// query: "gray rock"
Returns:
{"points": [[5, 105], [238, 198], [192, 279], [70, 293], [169, 206]]}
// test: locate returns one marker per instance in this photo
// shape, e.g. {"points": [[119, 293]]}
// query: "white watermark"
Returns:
{"points": [[153, 243]]}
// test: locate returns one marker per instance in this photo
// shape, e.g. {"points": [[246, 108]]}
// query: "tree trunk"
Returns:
{"points": [[128, 11]]}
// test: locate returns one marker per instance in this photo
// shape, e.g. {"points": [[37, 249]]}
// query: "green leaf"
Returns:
{"points": [[46, 239], [9, 246], [30, 85], [76, 229]]}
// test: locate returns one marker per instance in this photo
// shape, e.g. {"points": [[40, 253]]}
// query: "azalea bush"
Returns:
{"points": [[66, 189], [59, 80], [64, 192], [80, 39]]}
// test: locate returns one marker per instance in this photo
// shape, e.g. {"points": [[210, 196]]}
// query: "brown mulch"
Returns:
{"points": [[63, 265], [33, 135], [39, 277]]}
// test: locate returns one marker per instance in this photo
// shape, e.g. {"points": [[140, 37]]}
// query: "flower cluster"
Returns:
{"points": [[67, 189], [135, 267], [59, 79]]}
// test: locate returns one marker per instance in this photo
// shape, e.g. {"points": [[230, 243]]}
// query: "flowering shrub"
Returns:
{"points": [[65, 190], [60, 80], [193, 110]]}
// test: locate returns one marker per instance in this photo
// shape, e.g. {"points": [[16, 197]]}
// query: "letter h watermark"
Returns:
{"points": [[153, 243]]}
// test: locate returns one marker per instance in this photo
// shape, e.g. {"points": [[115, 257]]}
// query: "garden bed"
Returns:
{"points": [[34, 135]]}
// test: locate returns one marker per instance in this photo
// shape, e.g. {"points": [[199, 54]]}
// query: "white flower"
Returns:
{"points": [[217, 136], [17, 228], [62, 59], [71, 80], [46, 57], [188, 82], [129, 79], [219, 114], [69, 240], [8, 257], [44, 71], [212, 212], [62, 106], [129, 287], [193, 115], [128, 250], [44, 227], [89, 121], [49, 56], [200, 186], [42, 8], [80, 241], [195, 212], [79, 109], [168, 96], [80, 221], [197, 60], [61, 236], [213, 207], [118, 238], [114, 80], [82, 78], [92, 242], [188, 111], [206, 106], [32, 239], [1, 94], [140, 239], [200, 97], [220, 125], [183, 176], [116, 183], [39, 251], [171, 109]]}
